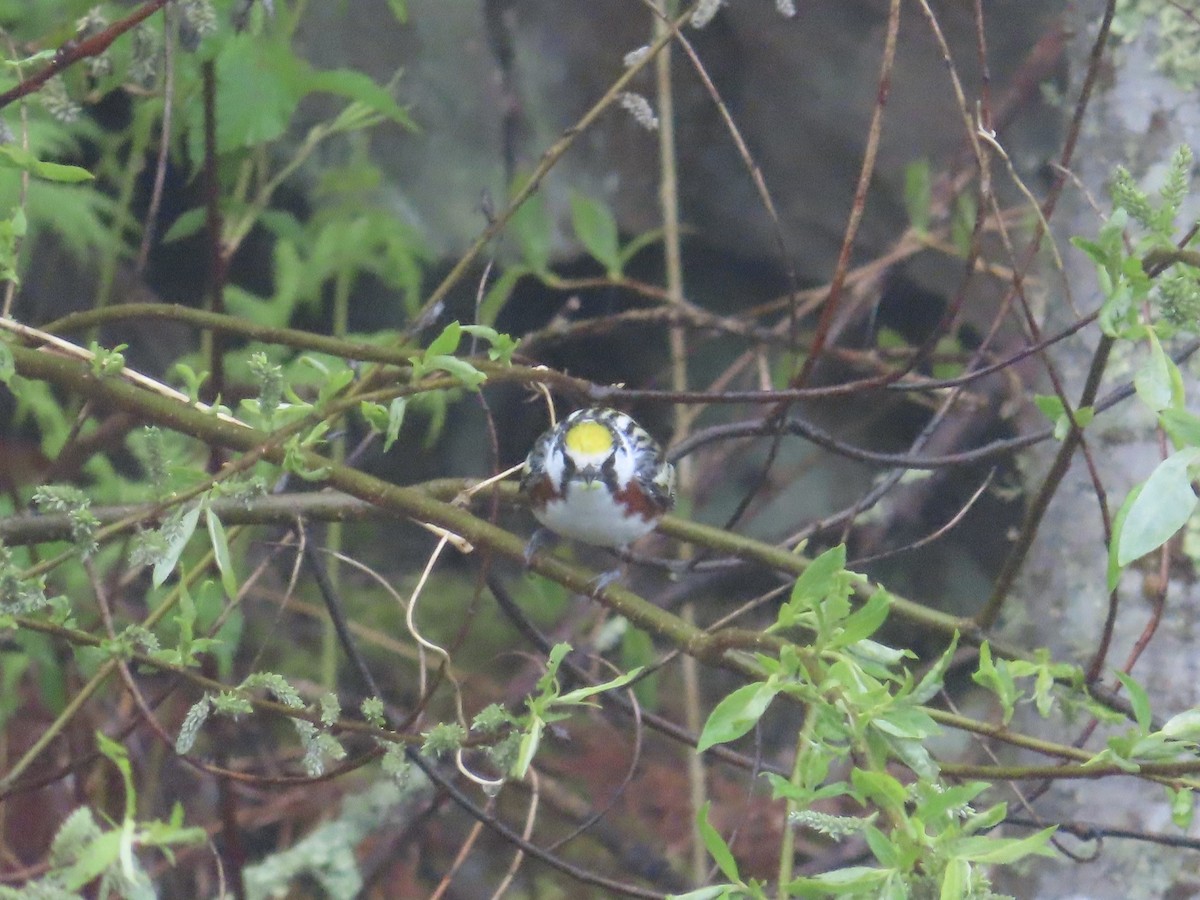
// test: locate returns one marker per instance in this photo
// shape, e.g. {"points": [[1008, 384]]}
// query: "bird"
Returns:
{"points": [[597, 477]]}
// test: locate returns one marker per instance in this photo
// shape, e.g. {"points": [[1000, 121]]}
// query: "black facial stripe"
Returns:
{"points": [[608, 472], [568, 467]]}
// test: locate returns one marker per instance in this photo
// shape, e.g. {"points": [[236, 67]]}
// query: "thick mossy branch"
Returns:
{"points": [[430, 503]]}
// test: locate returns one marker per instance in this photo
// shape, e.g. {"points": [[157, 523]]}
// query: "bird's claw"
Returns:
{"points": [[542, 539]]}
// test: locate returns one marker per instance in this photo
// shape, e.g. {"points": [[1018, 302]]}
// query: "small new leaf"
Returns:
{"points": [[1139, 700]]}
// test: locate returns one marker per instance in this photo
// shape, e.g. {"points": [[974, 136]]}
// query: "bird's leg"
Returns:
{"points": [[604, 579], [543, 539]]}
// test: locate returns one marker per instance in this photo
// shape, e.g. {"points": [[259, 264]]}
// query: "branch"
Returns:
{"points": [[72, 51]]}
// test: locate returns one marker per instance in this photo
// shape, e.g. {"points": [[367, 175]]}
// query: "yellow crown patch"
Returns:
{"points": [[588, 438]]}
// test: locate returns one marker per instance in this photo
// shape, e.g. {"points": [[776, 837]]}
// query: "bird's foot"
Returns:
{"points": [[543, 539], [604, 579]]}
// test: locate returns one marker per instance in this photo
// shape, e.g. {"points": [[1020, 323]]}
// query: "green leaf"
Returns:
{"points": [[1114, 568], [501, 347], [361, 88], [986, 820], [711, 892], [997, 679], [962, 223], [881, 788], [948, 802], [1184, 726], [547, 684], [499, 293], [914, 754], [1139, 700], [933, 680], [395, 419], [399, 9], [446, 343], [918, 194], [866, 621], [530, 225], [638, 651], [220, 546], [469, 376], [580, 694], [818, 580], [640, 243], [905, 722], [1054, 410], [716, 846], [99, 854], [1183, 807], [1163, 506], [259, 84], [188, 224], [183, 527], [850, 880], [14, 157], [7, 367], [1001, 851], [882, 847], [955, 880], [527, 749], [1158, 382], [1095, 251], [374, 414], [1182, 426], [597, 230], [736, 714]]}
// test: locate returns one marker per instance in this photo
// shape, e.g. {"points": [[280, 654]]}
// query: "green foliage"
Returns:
{"points": [[18, 158], [1176, 36], [1165, 276], [531, 228], [84, 852], [1124, 279], [918, 194], [318, 743], [186, 611], [551, 704], [328, 855], [597, 230], [107, 362], [270, 381], [385, 420], [1054, 410], [372, 711], [443, 738], [1000, 677], [18, 594], [75, 504], [1176, 741], [864, 711], [439, 355], [865, 746], [962, 222]]}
